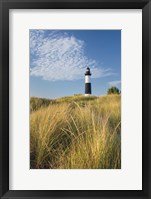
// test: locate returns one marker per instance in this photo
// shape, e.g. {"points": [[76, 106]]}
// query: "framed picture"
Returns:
{"points": [[75, 99]]}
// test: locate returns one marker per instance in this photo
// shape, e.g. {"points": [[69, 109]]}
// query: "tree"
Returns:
{"points": [[113, 90]]}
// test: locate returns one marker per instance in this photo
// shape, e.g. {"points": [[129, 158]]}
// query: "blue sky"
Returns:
{"points": [[58, 60]]}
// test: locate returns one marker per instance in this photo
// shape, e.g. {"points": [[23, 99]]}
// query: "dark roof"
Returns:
{"points": [[87, 71]]}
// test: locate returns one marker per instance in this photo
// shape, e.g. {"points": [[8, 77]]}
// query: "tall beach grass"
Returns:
{"points": [[76, 133]]}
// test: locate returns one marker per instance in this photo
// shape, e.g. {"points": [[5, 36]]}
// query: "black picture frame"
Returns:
{"points": [[5, 5]]}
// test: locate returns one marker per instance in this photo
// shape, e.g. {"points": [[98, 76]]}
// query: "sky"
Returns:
{"points": [[58, 60]]}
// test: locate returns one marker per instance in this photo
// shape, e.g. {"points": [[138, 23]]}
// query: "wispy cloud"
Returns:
{"points": [[58, 56], [114, 83]]}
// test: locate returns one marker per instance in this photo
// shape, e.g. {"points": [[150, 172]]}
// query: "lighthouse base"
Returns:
{"points": [[87, 94], [88, 89]]}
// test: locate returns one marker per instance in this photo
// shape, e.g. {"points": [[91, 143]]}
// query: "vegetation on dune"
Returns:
{"points": [[113, 90], [76, 132], [37, 103]]}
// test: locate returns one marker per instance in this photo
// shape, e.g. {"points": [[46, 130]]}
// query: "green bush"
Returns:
{"points": [[113, 90]]}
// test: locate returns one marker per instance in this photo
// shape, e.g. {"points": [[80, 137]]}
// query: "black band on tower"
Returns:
{"points": [[87, 88]]}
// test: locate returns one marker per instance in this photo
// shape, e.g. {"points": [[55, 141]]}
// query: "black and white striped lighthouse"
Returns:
{"points": [[87, 82]]}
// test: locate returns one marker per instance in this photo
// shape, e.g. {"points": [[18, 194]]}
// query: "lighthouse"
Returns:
{"points": [[87, 82]]}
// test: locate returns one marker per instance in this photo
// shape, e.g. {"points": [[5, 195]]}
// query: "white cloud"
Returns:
{"points": [[114, 83], [57, 56]]}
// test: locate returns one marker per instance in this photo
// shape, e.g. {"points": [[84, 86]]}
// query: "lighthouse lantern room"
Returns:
{"points": [[87, 82]]}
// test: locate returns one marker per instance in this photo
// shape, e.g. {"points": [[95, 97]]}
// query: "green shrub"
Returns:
{"points": [[113, 90]]}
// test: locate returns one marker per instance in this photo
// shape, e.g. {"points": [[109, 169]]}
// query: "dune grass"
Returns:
{"points": [[76, 133]]}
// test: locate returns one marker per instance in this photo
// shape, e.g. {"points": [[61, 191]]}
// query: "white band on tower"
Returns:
{"points": [[87, 79]]}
